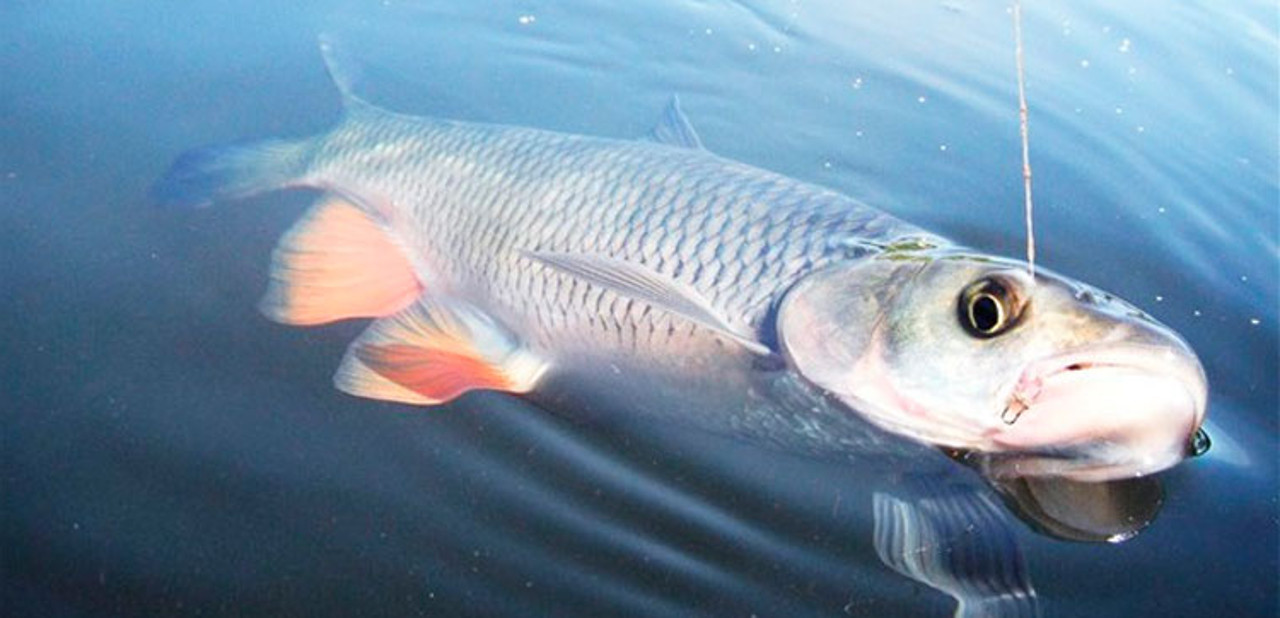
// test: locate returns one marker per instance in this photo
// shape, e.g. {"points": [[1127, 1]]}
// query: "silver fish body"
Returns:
{"points": [[472, 201], [656, 277]]}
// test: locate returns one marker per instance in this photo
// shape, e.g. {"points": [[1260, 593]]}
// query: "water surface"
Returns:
{"points": [[166, 450]]}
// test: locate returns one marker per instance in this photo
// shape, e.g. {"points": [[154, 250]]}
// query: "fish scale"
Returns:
{"points": [[654, 277], [482, 194]]}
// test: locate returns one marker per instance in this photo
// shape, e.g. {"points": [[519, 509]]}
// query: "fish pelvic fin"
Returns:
{"points": [[337, 263], [435, 351], [203, 176]]}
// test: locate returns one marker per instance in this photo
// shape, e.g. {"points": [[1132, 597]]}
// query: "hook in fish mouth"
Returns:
{"points": [[1031, 384], [1024, 395], [1014, 409], [1120, 410]]}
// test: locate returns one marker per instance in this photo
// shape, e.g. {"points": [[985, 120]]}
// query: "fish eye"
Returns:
{"points": [[988, 308]]}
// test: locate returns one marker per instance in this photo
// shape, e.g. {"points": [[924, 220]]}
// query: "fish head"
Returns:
{"points": [[1049, 376]]}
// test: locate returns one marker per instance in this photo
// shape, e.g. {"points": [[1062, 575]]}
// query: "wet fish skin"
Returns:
{"points": [[473, 200], [508, 258]]}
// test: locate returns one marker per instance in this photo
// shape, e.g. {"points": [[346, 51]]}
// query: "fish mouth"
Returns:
{"points": [[1105, 412]]}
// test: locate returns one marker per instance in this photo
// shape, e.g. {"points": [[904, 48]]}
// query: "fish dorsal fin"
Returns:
{"points": [[344, 72], [433, 352], [643, 283], [674, 128], [337, 263]]}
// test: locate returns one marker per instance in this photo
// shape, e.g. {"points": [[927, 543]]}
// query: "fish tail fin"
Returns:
{"points": [[344, 72], [202, 176], [205, 175]]}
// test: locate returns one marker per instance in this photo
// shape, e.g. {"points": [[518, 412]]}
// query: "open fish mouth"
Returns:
{"points": [[1120, 410]]}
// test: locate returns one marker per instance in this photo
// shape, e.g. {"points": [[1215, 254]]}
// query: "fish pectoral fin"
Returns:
{"points": [[642, 283], [674, 128], [337, 263], [958, 542], [433, 352]]}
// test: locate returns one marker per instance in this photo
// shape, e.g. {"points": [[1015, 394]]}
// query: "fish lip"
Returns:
{"points": [[1176, 362], [1062, 463]]}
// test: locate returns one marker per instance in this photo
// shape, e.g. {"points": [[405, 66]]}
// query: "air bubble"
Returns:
{"points": [[1199, 444]]}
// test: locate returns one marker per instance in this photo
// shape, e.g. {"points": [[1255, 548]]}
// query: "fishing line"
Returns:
{"points": [[1022, 125]]}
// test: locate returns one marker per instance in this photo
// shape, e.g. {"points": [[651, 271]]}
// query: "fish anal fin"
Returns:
{"points": [[337, 263], [435, 351]]}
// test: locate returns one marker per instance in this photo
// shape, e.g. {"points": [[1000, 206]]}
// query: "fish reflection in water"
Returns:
{"points": [[655, 279]]}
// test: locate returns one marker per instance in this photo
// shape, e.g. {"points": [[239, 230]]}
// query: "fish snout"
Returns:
{"points": [[1108, 411]]}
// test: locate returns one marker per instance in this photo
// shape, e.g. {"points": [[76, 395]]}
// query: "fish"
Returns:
{"points": [[654, 276], [958, 542]]}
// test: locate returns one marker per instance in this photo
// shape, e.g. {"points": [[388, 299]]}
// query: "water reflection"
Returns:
{"points": [[1112, 511], [942, 521], [166, 451]]}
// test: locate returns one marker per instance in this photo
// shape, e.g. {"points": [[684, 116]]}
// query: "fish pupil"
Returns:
{"points": [[988, 308], [984, 314]]}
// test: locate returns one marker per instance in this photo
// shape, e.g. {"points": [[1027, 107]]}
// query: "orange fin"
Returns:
{"points": [[433, 352], [337, 263]]}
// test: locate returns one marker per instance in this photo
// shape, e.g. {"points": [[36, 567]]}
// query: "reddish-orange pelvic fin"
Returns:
{"points": [[337, 263], [437, 375], [433, 352]]}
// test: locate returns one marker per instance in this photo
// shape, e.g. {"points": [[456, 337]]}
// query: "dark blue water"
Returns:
{"points": [[166, 450]]}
